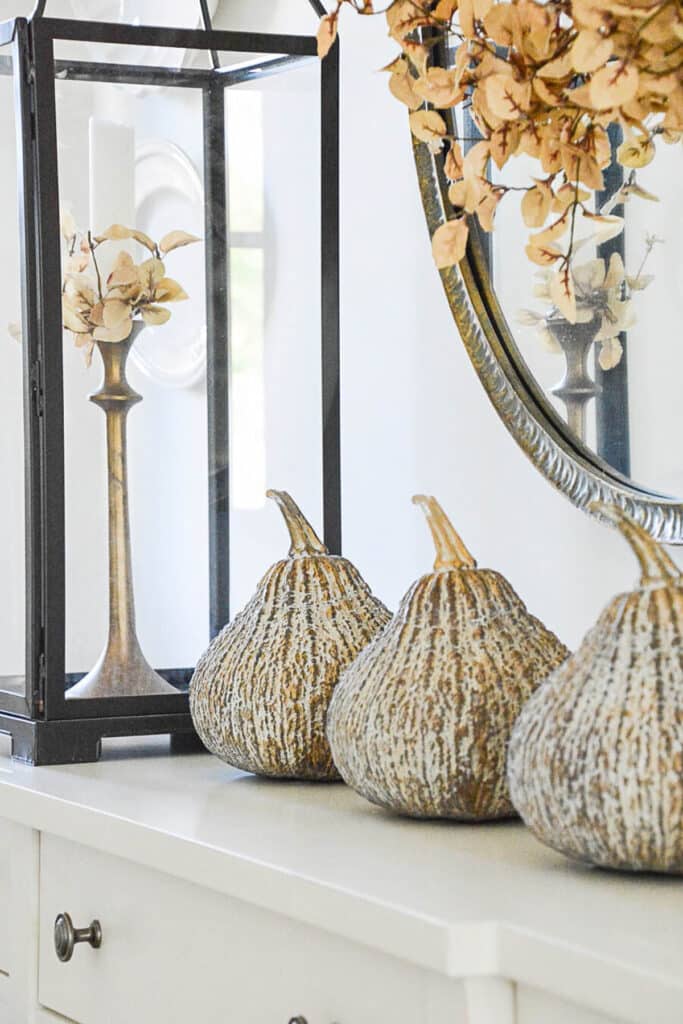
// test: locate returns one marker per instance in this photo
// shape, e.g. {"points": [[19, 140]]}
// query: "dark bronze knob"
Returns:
{"points": [[66, 936], [298, 1020]]}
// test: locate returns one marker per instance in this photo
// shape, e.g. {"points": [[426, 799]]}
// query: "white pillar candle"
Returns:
{"points": [[112, 185]]}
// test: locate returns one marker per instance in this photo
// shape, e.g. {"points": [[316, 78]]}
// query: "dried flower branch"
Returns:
{"points": [[603, 295], [541, 79], [96, 311]]}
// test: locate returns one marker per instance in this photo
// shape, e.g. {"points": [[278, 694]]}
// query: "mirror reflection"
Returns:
{"points": [[612, 378]]}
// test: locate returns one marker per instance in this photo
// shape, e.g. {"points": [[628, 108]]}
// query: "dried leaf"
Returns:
{"points": [[96, 317], [637, 284], [115, 312], [543, 255], [155, 315], [449, 243], [507, 98], [80, 290], [500, 23], [536, 204], [114, 334], [606, 226], [615, 271], [476, 159], [115, 233], [401, 86], [590, 51], [124, 273], [611, 352], [614, 85], [562, 293], [453, 164], [327, 34], [150, 273], [553, 231], [445, 9], [169, 290], [440, 87], [404, 17], [589, 277], [77, 263], [176, 240], [551, 95], [487, 206], [465, 194], [466, 18], [528, 318], [504, 142], [428, 126], [566, 195], [636, 151], [72, 320], [144, 239], [68, 225], [559, 68]]}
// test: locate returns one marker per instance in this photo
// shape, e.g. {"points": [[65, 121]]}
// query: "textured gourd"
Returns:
{"points": [[596, 758], [420, 722], [260, 693]]}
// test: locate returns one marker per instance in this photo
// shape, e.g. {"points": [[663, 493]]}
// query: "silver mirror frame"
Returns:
{"points": [[568, 466]]}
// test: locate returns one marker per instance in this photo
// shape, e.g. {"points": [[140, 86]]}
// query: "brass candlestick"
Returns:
{"points": [[122, 669]]}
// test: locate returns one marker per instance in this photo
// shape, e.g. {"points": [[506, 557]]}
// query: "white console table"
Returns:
{"points": [[225, 899]]}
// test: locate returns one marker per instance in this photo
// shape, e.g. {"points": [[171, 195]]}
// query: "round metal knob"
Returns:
{"points": [[66, 936]]}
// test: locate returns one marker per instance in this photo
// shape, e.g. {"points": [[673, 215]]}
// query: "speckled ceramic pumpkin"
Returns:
{"points": [[596, 758], [259, 695], [420, 722]]}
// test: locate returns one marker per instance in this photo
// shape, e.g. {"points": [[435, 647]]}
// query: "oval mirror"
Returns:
{"points": [[596, 403]]}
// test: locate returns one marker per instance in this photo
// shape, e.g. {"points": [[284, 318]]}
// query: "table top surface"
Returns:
{"points": [[460, 899]]}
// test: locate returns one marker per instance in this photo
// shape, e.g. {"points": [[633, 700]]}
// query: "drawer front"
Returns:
{"points": [[4, 897], [536, 1007], [174, 952]]}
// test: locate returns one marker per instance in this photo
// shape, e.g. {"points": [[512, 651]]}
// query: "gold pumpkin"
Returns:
{"points": [[420, 722], [596, 758], [260, 693]]}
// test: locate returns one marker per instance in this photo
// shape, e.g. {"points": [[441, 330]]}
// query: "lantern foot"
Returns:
{"points": [[79, 740]]}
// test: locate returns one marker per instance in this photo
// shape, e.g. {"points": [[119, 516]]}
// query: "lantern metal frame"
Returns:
{"points": [[45, 727]]}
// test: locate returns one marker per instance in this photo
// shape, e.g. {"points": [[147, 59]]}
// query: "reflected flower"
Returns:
{"points": [[604, 294]]}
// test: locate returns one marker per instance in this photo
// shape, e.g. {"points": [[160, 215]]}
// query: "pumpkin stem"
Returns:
{"points": [[655, 564], [305, 540], [451, 552]]}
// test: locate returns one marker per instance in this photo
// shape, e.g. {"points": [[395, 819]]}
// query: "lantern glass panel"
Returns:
{"points": [[274, 230], [12, 432], [230, 386], [132, 155]]}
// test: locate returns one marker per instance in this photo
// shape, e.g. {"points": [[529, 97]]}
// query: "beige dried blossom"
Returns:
{"points": [[603, 292], [94, 310]]}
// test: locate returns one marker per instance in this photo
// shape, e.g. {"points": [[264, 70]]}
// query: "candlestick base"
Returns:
{"points": [[113, 676]]}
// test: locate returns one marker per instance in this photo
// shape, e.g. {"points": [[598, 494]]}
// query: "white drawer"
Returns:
{"points": [[4, 898], [175, 953], [536, 1007]]}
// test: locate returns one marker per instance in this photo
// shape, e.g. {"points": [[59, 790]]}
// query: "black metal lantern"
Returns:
{"points": [[148, 117]]}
